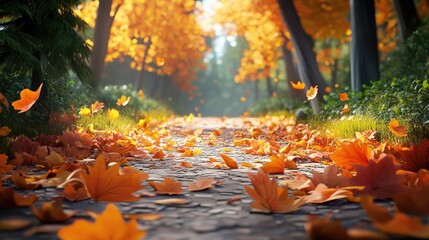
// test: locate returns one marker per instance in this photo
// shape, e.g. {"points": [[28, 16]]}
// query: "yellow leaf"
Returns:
{"points": [[28, 98], [85, 111], [122, 101], [299, 85], [312, 92], [112, 114]]}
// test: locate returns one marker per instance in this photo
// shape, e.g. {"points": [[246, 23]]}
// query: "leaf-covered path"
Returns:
{"points": [[189, 150]]}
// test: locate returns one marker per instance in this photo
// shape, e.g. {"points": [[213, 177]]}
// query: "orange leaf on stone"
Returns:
{"points": [[159, 155], [108, 185], [75, 192], [299, 85], [186, 164], [168, 186], [28, 98], [22, 183], [312, 93], [277, 165], [201, 184], [330, 178], [171, 201], [137, 174], [351, 153], [399, 131], [52, 212], [229, 161], [322, 194], [268, 197], [10, 199], [102, 227]]}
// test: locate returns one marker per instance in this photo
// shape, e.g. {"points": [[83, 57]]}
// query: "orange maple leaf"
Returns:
{"points": [[322, 194], [417, 157], [330, 178], [107, 185], [277, 165], [299, 85], [97, 106], [351, 153], [399, 131], [75, 192], [52, 212], [379, 178], [168, 186], [201, 184], [28, 98], [268, 197], [229, 161], [102, 227]]}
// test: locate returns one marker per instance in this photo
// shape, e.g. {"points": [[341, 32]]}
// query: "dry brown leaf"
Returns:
{"points": [[22, 183], [168, 186], [13, 224], [75, 192], [229, 161], [10, 199], [324, 194], [145, 216], [171, 201], [201, 184], [158, 155], [52, 212]]}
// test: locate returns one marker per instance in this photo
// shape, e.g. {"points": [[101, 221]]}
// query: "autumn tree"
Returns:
{"points": [[162, 37]]}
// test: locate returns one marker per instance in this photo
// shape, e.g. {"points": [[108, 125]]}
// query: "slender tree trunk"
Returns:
{"points": [[256, 90], [270, 87], [291, 74], [103, 24], [408, 19], [303, 44], [139, 82], [155, 86], [334, 72], [364, 52]]}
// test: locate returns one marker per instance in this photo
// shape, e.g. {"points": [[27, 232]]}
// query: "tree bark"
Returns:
{"points": [[103, 24], [139, 81], [270, 87], [408, 19], [364, 52], [303, 44], [256, 90]]}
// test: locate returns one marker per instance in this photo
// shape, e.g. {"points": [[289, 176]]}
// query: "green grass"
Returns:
{"points": [[347, 128], [102, 122]]}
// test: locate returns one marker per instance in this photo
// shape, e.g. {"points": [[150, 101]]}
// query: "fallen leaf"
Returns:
{"points": [[229, 161], [145, 216], [54, 159], [45, 228], [10, 199], [415, 200], [168, 186], [52, 212], [171, 201], [233, 200], [75, 192], [102, 227], [201, 184], [97, 106], [13, 224], [158, 155], [21, 182], [137, 174], [28, 98], [107, 185], [379, 178], [312, 93], [330, 178], [353, 153], [399, 131], [186, 164], [268, 197], [323, 194], [276, 166], [299, 85], [416, 157], [4, 167]]}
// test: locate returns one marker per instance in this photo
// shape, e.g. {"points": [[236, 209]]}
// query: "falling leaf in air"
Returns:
{"points": [[299, 85], [399, 131], [416, 157], [379, 178], [10, 199], [201, 184], [229, 161], [343, 96], [102, 227], [52, 212], [141, 94], [312, 92], [108, 185], [123, 100], [97, 107], [351, 153], [268, 197], [168, 186], [275, 166], [28, 98]]}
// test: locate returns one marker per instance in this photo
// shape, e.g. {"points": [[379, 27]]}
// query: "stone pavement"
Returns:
{"points": [[208, 215]]}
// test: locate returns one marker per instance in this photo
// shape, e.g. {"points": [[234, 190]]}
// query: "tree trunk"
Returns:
{"points": [[270, 87], [139, 81], [103, 24], [408, 19], [364, 52], [256, 90], [334, 71], [302, 42], [291, 74]]}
